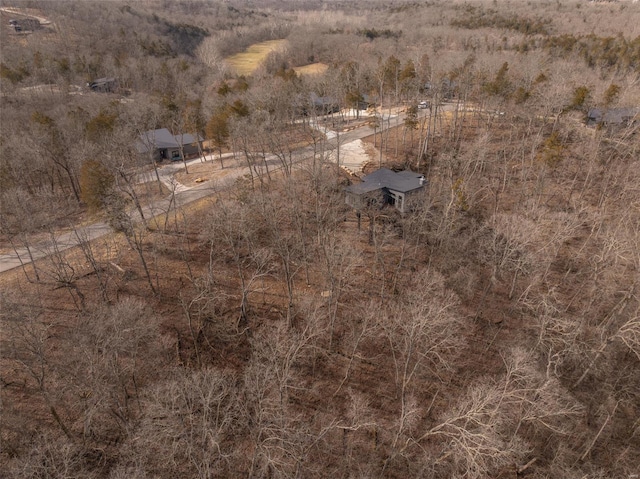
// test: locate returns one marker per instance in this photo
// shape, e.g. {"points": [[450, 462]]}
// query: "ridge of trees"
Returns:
{"points": [[475, 17]]}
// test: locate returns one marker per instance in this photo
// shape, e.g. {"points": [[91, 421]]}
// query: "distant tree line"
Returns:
{"points": [[475, 17]]}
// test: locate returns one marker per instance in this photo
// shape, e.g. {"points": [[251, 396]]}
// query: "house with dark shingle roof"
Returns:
{"points": [[385, 187], [613, 116], [164, 145], [324, 105], [103, 85]]}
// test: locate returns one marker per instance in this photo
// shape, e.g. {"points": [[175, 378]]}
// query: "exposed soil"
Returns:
{"points": [[205, 171]]}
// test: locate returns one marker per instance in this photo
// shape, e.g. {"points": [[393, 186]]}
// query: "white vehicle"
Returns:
{"points": [[423, 105]]}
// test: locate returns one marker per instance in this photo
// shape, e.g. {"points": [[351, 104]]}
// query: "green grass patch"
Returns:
{"points": [[247, 62]]}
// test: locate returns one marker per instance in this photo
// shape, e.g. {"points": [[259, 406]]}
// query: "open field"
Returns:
{"points": [[311, 69], [247, 62]]}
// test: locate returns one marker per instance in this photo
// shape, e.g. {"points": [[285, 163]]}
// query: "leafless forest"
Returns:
{"points": [[266, 331]]}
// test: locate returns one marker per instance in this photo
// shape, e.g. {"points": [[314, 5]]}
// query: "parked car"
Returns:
{"points": [[423, 105]]}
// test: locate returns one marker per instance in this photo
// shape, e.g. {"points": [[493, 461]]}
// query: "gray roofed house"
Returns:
{"points": [[324, 104], [385, 187], [103, 85], [163, 144], [613, 116]]}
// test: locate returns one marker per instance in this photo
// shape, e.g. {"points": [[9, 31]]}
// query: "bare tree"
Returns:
{"points": [[28, 344], [124, 222], [280, 439], [232, 237], [52, 456], [480, 434], [425, 336], [62, 271], [191, 420]]}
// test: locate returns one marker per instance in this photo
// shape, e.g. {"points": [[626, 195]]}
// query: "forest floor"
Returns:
{"points": [[176, 247]]}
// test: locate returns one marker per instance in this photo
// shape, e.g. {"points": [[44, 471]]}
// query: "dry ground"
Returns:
{"points": [[494, 321], [205, 171]]}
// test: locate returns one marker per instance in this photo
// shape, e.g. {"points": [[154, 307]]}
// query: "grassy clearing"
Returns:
{"points": [[247, 62], [312, 69]]}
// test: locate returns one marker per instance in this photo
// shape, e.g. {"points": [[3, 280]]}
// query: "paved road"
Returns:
{"points": [[183, 196], [22, 13], [67, 240]]}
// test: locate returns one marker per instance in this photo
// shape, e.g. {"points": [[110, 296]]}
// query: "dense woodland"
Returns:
{"points": [[265, 332]]}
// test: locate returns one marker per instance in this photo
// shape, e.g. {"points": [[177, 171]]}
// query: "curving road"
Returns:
{"points": [[183, 195]]}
